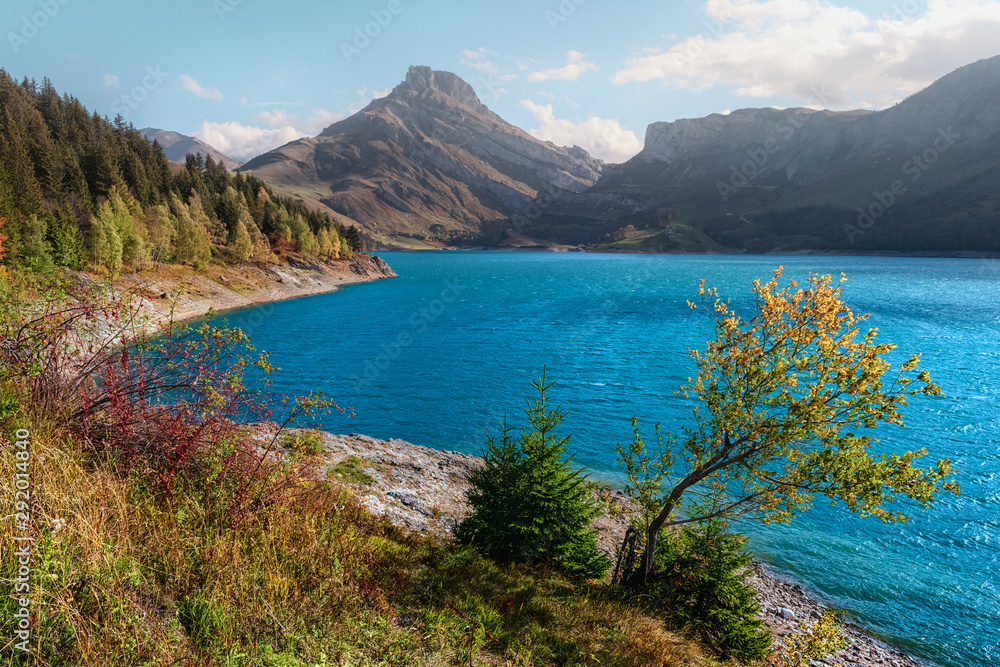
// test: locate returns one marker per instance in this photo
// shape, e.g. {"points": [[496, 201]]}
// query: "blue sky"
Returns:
{"points": [[249, 75]]}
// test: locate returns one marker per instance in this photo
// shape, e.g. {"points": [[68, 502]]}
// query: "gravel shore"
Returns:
{"points": [[178, 293], [425, 490]]}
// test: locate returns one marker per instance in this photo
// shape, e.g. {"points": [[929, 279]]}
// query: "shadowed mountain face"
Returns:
{"points": [[177, 146], [923, 175], [431, 160], [428, 157]]}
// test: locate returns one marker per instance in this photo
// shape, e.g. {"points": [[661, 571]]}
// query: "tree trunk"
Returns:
{"points": [[636, 579]]}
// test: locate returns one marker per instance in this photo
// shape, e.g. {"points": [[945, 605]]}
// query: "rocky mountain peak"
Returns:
{"points": [[422, 80]]}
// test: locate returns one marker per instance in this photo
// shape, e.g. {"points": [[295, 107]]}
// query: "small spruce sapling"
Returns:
{"points": [[528, 504]]}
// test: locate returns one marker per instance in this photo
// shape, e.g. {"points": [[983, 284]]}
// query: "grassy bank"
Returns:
{"points": [[122, 575]]}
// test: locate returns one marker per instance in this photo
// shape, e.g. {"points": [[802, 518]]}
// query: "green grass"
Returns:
{"points": [[307, 443], [350, 471]]}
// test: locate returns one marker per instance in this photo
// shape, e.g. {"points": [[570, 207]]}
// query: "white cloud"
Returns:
{"points": [[576, 65], [276, 118], [321, 119], [604, 138], [275, 127], [490, 77], [245, 141], [824, 54], [111, 80], [196, 88]]}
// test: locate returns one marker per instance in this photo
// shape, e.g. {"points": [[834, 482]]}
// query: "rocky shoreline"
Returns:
{"points": [[178, 293], [424, 490]]}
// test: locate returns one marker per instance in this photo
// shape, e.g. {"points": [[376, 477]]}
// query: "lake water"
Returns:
{"points": [[440, 354]]}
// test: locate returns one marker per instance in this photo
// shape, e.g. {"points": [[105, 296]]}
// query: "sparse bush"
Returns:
{"points": [[821, 639], [174, 406]]}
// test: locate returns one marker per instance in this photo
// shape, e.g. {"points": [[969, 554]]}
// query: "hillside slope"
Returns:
{"points": [[428, 159]]}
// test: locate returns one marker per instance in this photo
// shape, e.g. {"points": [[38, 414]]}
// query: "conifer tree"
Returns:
{"points": [[528, 504], [193, 245], [702, 576], [34, 247], [64, 238], [27, 197], [241, 246]]}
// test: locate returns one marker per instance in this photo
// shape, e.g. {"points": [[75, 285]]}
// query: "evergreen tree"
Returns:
{"points": [[353, 239], [528, 504], [241, 247], [26, 195], [702, 572], [65, 240], [35, 249], [193, 244]]}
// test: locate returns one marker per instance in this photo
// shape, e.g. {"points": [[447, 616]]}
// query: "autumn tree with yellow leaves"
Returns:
{"points": [[787, 404]]}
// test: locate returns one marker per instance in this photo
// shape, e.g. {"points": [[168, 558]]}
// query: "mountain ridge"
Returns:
{"points": [[177, 146], [429, 157], [430, 163], [765, 180]]}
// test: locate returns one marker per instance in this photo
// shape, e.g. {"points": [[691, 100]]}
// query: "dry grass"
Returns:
{"points": [[132, 579]]}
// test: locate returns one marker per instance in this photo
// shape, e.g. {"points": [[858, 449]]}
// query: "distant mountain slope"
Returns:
{"points": [[428, 159], [923, 175], [176, 147]]}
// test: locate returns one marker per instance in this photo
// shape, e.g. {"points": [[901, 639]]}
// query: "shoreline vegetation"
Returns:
{"points": [[423, 490], [422, 500]]}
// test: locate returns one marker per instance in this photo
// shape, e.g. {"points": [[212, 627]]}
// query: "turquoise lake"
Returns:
{"points": [[440, 354]]}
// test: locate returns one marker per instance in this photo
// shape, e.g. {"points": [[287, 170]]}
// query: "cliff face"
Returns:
{"points": [[802, 143], [920, 176], [430, 156], [431, 159]]}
